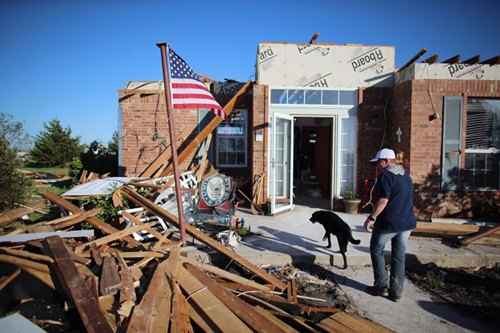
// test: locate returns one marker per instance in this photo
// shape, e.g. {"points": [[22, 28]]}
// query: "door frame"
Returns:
{"points": [[274, 209]]}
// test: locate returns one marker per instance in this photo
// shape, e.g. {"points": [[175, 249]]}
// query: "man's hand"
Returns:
{"points": [[369, 223]]}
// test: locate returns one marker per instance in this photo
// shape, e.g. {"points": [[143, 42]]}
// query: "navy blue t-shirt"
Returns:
{"points": [[398, 215]]}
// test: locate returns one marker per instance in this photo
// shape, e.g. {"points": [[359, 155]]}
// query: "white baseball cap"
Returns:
{"points": [[384, 154]]}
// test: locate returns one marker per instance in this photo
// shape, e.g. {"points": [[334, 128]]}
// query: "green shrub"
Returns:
{"points": [[14, 187]]}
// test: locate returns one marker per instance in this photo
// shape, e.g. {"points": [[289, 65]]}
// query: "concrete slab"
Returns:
{"points": [[290, 237], [415, 312]]}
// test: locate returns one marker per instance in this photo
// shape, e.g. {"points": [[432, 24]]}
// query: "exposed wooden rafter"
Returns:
{"points": [[453, 60], [472, 60], [432, 59], [414, 59], [492, 61]]}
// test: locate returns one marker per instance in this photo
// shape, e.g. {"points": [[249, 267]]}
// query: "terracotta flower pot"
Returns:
{"points": [[351, 206]]}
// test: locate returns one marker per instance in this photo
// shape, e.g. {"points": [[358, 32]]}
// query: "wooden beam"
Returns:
{"points": [[13, 214], [155, 209], [83, 297], [41, 276], [68, 221], [94, 221], [469, 239], [180, 314], [244, 311], [5, 280], [227, 275], [27, 254], [413, 59], [197, 140], [22, 263], [109, 282], [431, 60], [492, 61], [119, 234], [472, 60], [452, 60], [142, 315], [212, 308]]}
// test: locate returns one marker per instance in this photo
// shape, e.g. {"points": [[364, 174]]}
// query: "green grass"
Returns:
{"points": [[57, 171]]}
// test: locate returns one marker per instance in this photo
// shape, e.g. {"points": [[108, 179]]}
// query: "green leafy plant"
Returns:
{"points": [[350, 195], [108, 212]]}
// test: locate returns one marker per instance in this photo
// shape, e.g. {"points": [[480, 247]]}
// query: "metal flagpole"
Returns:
{"points": [[166, 83]]}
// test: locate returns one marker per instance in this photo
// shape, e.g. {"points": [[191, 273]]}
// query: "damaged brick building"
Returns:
{"points": [[317, 112]]}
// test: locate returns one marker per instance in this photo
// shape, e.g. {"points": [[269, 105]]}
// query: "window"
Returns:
{"points": [[278, 96], [477, 165], [231, 141], [482, 144], [314, 97]]}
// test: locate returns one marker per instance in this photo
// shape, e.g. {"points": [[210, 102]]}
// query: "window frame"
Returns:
{"points": [[245, 138], [460, 186]]}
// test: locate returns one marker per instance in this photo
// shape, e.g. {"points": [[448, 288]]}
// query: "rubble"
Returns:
{"points": [[117, 283]]}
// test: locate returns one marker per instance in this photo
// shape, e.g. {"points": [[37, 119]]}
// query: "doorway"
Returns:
{"points": [[312, 161]]}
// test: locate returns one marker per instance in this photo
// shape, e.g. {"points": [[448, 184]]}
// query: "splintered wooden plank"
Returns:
{"points": [[180, 315], [83, 297], [13, 214], [155, 305], [5, 280], [94, 221], [286, 328], [41, 276], [227, 275], [201, 236], [244, 311], [109, 282], [358, 324], [27, 254], [119, 234], [331, 325], [211, 307], [469, 239], [24, 263], [69, 221]]}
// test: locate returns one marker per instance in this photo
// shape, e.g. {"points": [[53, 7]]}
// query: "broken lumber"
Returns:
{"points": [[94, 221], [119, 234], [13, 214], [469, 239], [27, 254], [155, 209], [448, 229], [154, 310], [83, 297], [244, 311], [109, 282], [5, 280], [210, 305], [24, 263]]}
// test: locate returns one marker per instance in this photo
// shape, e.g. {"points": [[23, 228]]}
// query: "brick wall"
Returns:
{"points": [[427, 98], [259, 125], [371, 125], [144, 128]]}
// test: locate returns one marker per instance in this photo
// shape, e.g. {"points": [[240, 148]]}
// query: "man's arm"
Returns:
{"points": [[379, 207]]}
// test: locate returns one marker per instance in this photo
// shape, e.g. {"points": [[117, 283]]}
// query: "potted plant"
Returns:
{"points": [[351, 202]]}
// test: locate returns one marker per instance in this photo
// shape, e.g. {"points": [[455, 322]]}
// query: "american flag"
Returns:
{"points": [[187, 88]]}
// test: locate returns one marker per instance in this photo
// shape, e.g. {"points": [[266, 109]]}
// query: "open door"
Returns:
{"points": [[281, 180]]}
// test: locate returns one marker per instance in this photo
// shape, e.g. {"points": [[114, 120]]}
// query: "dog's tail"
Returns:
{"points": [[354, 241]]}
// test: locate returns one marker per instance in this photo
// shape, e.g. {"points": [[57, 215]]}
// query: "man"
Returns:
{"points": [[392, 219]]}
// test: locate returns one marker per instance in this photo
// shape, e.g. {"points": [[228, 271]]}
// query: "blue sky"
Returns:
{"points": [[67, 59]]}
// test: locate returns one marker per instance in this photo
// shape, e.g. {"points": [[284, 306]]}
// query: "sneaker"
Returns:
{"points": [[377, 291], [394, 298]]}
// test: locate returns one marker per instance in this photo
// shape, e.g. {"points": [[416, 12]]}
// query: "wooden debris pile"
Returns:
{"points": [[117, 283], [462, 234]]}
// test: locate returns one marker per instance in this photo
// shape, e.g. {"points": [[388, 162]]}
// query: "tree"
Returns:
{"points": [[13, 132], [113, 145], [55, 145], [14, 187]]}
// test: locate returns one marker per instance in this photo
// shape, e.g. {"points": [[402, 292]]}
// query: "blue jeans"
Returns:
{"points": [[398, 243]]}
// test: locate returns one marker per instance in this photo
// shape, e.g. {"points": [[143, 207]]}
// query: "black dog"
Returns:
{"points": [[333, 224]]}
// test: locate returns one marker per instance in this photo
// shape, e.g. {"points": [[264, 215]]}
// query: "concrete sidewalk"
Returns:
{"points": [[290, 237]]}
